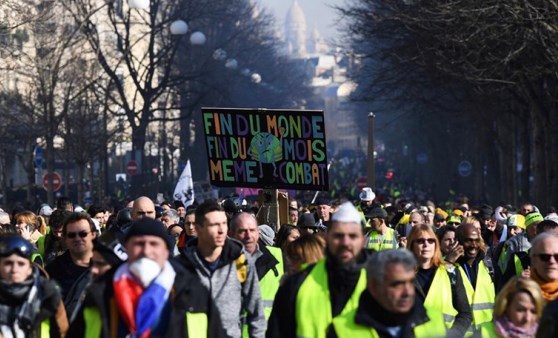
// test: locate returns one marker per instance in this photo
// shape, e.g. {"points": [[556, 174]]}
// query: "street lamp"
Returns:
{"points": [[138, 4], [197, 38], [179, 27]]}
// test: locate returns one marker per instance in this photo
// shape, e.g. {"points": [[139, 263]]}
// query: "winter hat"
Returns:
{"points": [[347, 213], [149, 226], [376, 212], [306, 220], [267, 235], [323, 200], [517, 220], [45, 210], [366, 194], [533, 217]]}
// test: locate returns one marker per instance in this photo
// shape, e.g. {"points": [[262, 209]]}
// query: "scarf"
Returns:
{"points": [[506, 329], [549, 289], [141, 308], [20, 305]]}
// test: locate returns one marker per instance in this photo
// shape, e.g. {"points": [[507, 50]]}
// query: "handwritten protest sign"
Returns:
{"points": [[266, 148]]}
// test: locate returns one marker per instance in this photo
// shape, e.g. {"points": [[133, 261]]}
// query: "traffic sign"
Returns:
{"points": [[39, 156], [465, 168], [56, 181], [132, 168]]}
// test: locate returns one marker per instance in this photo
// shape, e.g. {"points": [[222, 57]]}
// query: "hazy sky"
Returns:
{"points": [[318, 12]]}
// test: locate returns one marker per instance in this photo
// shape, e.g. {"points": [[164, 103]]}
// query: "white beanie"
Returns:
{"points": [[346, 213]]}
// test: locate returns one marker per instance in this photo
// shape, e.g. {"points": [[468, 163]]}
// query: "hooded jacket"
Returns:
{"points": [[233, 297]]}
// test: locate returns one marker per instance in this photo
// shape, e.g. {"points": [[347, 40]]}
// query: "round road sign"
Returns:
{"points": [[132, 168], [56, 181]]}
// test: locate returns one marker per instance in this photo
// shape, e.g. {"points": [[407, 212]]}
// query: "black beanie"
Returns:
{"points": [[151, 227]]}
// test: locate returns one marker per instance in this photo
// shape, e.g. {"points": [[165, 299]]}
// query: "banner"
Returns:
{"points": [[184, 190], [258, 148]]}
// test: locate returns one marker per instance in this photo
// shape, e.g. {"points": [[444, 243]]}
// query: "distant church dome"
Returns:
{"points": [[295, 30]]}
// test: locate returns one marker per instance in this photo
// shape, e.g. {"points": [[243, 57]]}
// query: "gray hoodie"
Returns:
{"points": [[235, 300]]}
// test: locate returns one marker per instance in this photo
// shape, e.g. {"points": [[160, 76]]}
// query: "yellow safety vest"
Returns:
{"points": [[197, 323], [313, 303], [269, 284], [45, 329], [345, 327], [481, 297], [487, 330], [389, 240], [439, 298]]}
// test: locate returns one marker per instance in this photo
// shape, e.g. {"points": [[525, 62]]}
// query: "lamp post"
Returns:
{"points": [[371, 162]]}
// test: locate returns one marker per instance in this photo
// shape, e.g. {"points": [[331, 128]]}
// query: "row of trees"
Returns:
{"points": [[472, 80], [86, 64]]}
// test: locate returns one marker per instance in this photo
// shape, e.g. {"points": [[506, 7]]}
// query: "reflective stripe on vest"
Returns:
{"points": [[481, 298], [45, 329], [389, 241], [92, 319], [313, 303], [269, 284], [345, 327], [439, 297], [197, 324], [518, 266]]}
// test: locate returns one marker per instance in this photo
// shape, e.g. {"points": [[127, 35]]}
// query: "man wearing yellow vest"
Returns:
{"points": [[307, 302], [147, 296], [387, 308], [380, 237], [477, 273], [268, 260]]}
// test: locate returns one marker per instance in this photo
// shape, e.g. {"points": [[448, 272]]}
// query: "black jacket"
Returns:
{"points": [[187, 294], [282, 322]]}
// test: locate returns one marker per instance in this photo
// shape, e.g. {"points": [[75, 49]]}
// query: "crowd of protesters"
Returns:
{"points": [[334, 269]]}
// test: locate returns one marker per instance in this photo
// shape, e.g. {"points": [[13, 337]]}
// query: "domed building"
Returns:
{"points": [[295, 31]]}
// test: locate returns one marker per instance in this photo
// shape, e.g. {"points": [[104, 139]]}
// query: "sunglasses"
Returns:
{"points": [[81, 234], [546, 257], [422, 241]]}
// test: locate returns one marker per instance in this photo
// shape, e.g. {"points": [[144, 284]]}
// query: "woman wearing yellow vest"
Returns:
{"points": [[439, 286], [517, 310]]}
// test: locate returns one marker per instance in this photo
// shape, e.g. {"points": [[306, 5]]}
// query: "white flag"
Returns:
{"points": [[184, 190]]}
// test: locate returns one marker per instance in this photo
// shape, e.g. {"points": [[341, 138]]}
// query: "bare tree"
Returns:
{"points": [[500, 52]]}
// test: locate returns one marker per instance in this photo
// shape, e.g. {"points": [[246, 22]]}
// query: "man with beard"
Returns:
{"points": [[477, 273], [306, 303], [387, 308]]}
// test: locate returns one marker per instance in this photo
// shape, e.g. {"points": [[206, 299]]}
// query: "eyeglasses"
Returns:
{"points": [[81, 234], [422, 241], [12, 244], [454, 223], [546, 257]]}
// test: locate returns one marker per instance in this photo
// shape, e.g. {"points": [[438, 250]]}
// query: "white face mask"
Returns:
{"points": [[145, 270]]}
